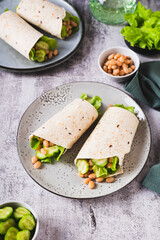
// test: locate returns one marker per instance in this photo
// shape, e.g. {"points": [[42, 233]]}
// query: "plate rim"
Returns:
{"points": [[48, 66], [82, 198]]}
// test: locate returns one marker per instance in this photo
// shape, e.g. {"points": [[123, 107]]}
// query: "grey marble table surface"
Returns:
{"points": [[131, 213]]}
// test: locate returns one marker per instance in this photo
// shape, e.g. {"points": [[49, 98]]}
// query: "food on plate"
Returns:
{"points": [[16, 224], [25, 39], [118, 65], [49, 17], [143, 30], [101, 157], [61, 131]]}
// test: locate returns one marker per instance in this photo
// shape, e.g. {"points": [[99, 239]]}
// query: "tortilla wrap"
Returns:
{"points": [[17, 33], [113, 136], [68, 125], [43, 14]]}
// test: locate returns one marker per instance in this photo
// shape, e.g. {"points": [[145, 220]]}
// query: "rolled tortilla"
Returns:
{"points": [[17, 33], [43, 14], [68, 125], [113, 136]]}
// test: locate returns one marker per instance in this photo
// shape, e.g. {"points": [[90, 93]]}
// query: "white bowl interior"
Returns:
{"points": [[122, 50], [21, 204]]}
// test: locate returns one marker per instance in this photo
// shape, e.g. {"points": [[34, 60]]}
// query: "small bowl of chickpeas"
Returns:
{"points": [[119, 63]]}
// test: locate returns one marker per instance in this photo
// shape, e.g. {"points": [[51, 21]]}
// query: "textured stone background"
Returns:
{"points": [[131, 213]]}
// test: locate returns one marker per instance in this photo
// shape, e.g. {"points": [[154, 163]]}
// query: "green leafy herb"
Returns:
{"points": [[35, 141], [144, 29], [130, 109]]}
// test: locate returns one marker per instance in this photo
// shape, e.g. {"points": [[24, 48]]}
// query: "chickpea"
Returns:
{"points": [[86, 175], [126, 70], [127, 57], [41, 139], [55, 52], [111, 56], [51, 144], [133, 67], [114, 67], [43, 151], [121, 72], [119, 64], [130, 70], [34, 159], [110, 105], [90, 163], [121, 59], [46, 143], [80, 175], [127, 61], [39, 148], [100, 179], [109, 71], [92, 175], [87, 180], [109, 67], [110, 179], [37, 165], [91, 184], [109, 165]]}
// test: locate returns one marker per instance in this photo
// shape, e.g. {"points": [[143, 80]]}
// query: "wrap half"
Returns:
{"points": [[48, 17], [24, 38], [109, 142], [62, 130]]}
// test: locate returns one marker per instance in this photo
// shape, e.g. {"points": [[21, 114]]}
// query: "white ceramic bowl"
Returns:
{"points": [[21, 204], [124, 51]]}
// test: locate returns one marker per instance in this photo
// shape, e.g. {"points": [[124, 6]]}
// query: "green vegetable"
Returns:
{"points": [[95, 101], [55, 152], [40, 55], [11, 234], [20, 212], [42, 45], [83, 166], [6, 10], [100, 162], [130, 109], [32, 54], [76, 20], [16, 9], [46, 160], [27, 222], [5, 213], [35, 141], [4, 226], [144, 29], [64, 31], [67, 17], [100, 171], [23, 235], [114, 164], [50, 41]]}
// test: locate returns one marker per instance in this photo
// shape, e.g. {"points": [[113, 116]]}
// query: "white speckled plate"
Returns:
{"points": [[61, 177], [13, 61]]}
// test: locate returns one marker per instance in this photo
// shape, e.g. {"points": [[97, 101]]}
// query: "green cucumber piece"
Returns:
{"points": [[23, 235], [51, 42], [40, 55], [4, 226], [50, 152], [27, 222], [5, 213], [100, 162], [64, 31], [20, 212], [83, 166], [32, 54], [47, 160], [11, 234], [42, 45]]}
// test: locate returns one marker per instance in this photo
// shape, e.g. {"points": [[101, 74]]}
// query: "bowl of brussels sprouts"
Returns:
{"points": [[18, 221]]}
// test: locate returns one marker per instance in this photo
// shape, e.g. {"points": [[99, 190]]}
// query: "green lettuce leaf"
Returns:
{"points": [[47, 160], [58, 153], [95, 101], [35, 141], [51, 42], [114, 164], [99, 171], [130, 109]]}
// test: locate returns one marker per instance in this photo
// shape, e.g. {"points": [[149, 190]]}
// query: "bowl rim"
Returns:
{"points": [[25, 205], [119, 77]]}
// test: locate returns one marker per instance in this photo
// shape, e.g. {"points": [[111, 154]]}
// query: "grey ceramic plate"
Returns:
{"points": [[61, 177], [11, 60]]}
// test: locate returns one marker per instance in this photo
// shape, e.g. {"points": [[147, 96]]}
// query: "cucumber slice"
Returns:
{"points": [[27, 222], [42, 45], [100, 162], [20, 212], [50, 152], [64, 31], [5, 213], [40, 55], [11, 234], [23, 235], [4, 226], [83, 166]]}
